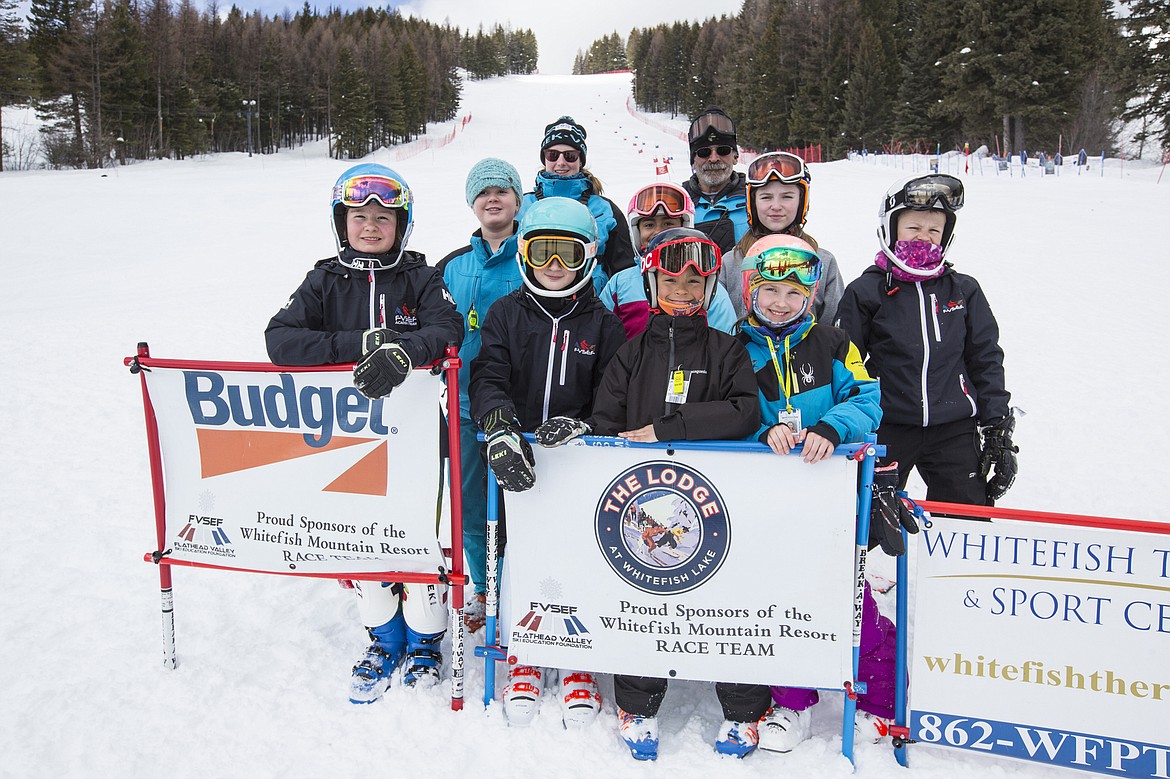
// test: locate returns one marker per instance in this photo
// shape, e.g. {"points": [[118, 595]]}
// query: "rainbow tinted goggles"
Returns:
{"points": [[674, 257], [671, 199], [572, 253], [933, 191], [777, 166], [359, 190], [787, 263]]}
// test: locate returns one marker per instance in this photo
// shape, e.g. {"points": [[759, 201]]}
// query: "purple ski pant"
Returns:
{"points": [[875, 667]]}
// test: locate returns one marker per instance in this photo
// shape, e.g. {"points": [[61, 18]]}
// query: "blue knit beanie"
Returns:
{"points": [[492, 172]]}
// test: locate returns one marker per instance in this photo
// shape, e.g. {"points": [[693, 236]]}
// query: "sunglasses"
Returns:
{"points": [[938, 190], [572, 253], [674, 257], [671, 199], [785, 262], [552, 155], [782, 166], [705, 152], [359, 190]]}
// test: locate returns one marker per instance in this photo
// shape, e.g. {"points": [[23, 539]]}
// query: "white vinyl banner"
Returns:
{"points": [[298, 472], [733, 566], [1044, 642]]}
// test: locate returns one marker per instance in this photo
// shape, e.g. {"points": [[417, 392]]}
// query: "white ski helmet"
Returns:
{"points": [[930, 192]]}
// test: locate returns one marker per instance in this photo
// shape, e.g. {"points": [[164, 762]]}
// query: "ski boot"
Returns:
{"points": [[640, 735], [580, 700], [782, 729], [371, 675], [522, 695], [424, 661], [738, 739]]}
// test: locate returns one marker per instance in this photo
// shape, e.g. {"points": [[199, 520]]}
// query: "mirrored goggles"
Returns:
{"points": [[719, 122], [785, 262], [673, 200], [572, 253], [782, 166], [674, 257], [706, 151], [933, 191], [359, 190]]}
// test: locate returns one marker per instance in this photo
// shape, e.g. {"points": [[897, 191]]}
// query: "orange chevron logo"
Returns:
{"points": [[229, 451]]}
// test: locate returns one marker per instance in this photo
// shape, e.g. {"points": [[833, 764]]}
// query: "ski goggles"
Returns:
{"points": [[359, 190], [932, 191], [572, 253], [671, 199], [782, 166], [674, 257], [783, 263], [719, 122], [552, 155], [706, 151]]}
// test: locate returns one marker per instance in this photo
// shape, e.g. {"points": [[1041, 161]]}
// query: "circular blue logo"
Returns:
{"points": [[662, 527]]}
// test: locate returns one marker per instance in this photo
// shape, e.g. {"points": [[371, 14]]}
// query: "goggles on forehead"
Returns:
{"points": [[674, 257], [782, 263], [572, 253], [782, 166], [720, 123], [937, 190], [671, 199], [359, 190]]}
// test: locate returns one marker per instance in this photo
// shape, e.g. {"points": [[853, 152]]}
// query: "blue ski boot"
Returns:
{"points": [[371, 676], [424, 661]]}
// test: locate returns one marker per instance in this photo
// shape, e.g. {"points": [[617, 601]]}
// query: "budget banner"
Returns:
{"points": [[733, 566], [298, 472], [1043, 642]]}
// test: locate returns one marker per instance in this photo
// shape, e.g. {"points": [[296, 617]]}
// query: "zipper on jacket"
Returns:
{"points": [[967, 395], [934, 315], [925, 352], [564, 355], [373, 316], [548, 370]]}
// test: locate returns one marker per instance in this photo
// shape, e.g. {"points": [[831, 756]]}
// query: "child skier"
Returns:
{"points": [[517, 382], [477, 275], [654, 208], [706, 380], [777, 204], [929, 334], [380, 305], [842, 405]]}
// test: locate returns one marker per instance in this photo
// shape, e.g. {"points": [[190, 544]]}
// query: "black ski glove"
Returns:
{"points": [[560, 430], [999, 451], [382, 370], [372, 340], [888, 515], [509, 454]]}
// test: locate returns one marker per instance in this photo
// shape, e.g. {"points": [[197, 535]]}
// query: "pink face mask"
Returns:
{"points": [[919, 255]]}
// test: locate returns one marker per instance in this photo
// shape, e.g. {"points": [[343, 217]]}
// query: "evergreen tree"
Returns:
{"points": [[1147, 71], [352, 115]]}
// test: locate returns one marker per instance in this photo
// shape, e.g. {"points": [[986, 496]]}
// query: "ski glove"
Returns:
{"points": [[888, 515], [999, 451], [372, 340], [382, 370], [560, 430], [509, 454]]}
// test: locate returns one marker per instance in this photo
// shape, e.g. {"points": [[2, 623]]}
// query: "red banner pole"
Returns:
{"points": [[1046, 517], [451, 364]]}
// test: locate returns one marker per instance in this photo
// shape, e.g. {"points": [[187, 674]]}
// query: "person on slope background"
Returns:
{"points": [[478, 275], [839, 403], [706, 379], [518, 382], [928, 334], [380, 305], [562, 153], [654, 208], [715, 186], [777, 204]]}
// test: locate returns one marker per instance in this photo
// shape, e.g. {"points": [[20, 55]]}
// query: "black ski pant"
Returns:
{"points": [[642, 695], [946, 456]]}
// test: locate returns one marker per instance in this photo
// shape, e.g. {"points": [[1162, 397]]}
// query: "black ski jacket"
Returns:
{"points": [[323, 321], [539, 362], [934, 346], [720, 384]]}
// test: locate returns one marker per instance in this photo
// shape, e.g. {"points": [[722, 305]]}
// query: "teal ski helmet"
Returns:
{"points": [[358, 186], [557, 228]]}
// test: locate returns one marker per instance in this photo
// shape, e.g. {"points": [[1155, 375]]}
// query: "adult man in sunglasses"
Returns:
{"points": [[717, 189]]}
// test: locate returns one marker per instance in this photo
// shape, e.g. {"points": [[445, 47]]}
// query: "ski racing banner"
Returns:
{"points": [[298, 472], [733, 565], [1045, 643]]}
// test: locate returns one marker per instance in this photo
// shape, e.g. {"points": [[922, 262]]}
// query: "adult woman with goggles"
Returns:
{"points": [[777, 186]]}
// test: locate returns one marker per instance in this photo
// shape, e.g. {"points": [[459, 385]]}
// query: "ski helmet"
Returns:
{"points": [[672, 252], [668, 199], [780, 259], [787, 169], [932, 192], [358, 186], [557, 228]]}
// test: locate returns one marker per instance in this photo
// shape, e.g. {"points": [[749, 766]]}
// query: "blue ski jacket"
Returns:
{"points": [[723, 215]]}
